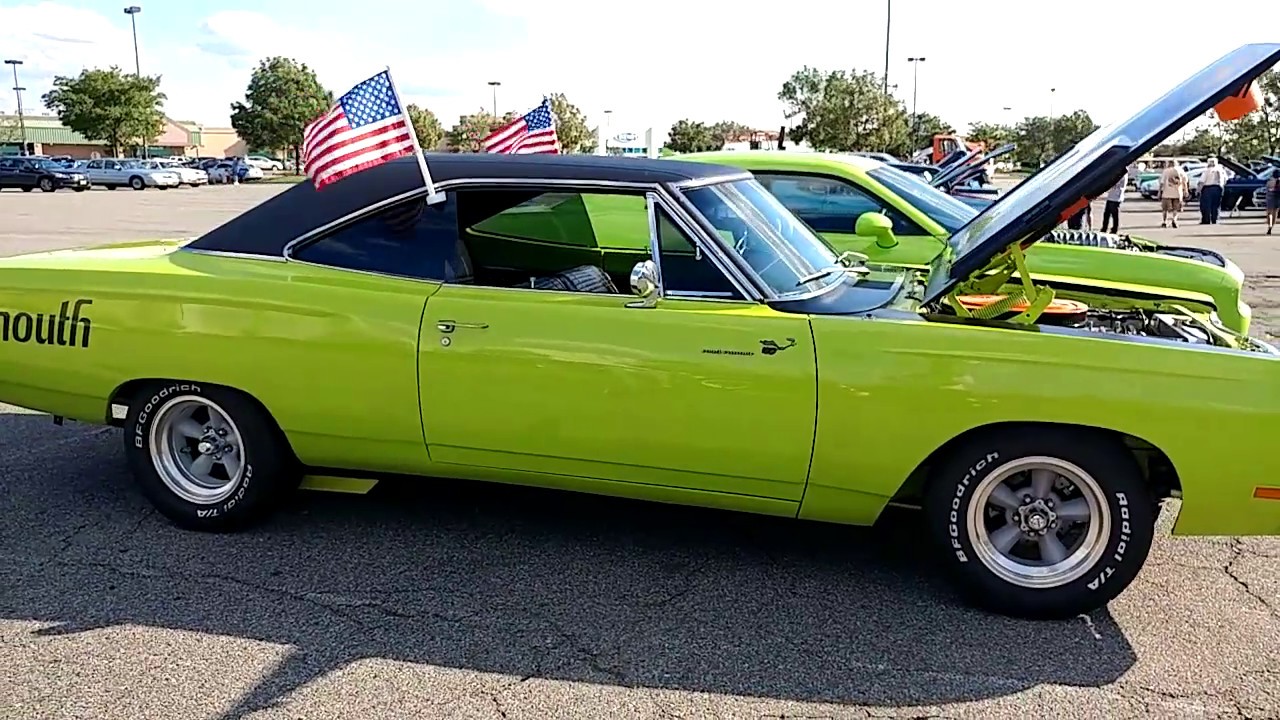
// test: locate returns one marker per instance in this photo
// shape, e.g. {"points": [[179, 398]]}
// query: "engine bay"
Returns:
{"points": [[1185, 327]]}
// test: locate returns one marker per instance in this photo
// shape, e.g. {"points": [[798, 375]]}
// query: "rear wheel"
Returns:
{"points": [[209, 458], [1041, 523]]}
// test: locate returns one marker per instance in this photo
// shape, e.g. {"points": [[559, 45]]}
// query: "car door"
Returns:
{"points": [[701, 392], [26, 175], [8, 175], [831, 206]]}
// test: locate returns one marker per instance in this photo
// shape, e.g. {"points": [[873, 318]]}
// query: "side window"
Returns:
{"points": [[831, 205], [94, 164], [686, 269], [410, 239], [6, 164]]}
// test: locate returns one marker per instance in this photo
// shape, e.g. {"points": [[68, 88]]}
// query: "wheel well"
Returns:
{"points": [[1157, 468]]}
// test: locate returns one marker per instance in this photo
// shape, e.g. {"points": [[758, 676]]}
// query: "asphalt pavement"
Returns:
{"points": [[441, 599]]}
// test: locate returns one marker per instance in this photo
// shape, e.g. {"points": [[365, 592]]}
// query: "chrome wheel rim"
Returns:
{"points": [[197, 450], [1039, 522]]}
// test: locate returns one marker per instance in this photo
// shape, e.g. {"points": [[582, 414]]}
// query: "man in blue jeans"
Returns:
{"points": [[1212, 179]]}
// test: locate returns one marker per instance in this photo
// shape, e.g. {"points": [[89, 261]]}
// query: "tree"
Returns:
{"points": [[923, 127], [282, 97], [10, 130], [992, 135], [727, 131], [426, 126], [1069, 129], [109, 106], [844, 111], [688, 136], [466, 135], [571, 127]]}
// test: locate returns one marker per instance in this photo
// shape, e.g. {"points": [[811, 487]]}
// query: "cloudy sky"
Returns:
{"points": [[651, 62]]}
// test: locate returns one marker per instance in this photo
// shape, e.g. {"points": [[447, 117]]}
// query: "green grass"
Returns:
{"points": [[283, 179]]}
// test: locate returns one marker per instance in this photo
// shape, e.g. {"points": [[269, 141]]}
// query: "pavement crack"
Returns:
{"points": [[1238, 552], [683, 587]]}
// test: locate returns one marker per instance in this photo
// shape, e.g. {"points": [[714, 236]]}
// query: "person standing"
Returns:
{"points": [[1111, 211], [1273, 201], [1173, 190], [1212, 180]]}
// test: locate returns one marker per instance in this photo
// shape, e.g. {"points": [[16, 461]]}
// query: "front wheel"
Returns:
{"points": [[137, 183], [208, 457], [46, 185], [1040, 524]]}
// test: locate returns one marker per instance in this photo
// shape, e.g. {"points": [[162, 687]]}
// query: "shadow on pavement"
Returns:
{"points": [[529, 583]]}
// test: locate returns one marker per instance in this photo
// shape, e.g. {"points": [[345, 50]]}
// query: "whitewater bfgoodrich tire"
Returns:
{"points": [[208, 457], [1041, 523]]}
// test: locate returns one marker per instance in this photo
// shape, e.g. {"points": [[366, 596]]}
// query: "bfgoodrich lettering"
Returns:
{"points": [[67, 327]]}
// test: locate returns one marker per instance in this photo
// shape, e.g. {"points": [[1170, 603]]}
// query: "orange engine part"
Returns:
{"points": [[1057, 307]]}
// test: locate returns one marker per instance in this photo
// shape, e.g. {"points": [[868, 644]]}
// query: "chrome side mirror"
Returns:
{"points": [[644, 283]]}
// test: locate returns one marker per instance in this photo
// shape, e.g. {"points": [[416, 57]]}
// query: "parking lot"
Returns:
{"points": [[445, 599]]}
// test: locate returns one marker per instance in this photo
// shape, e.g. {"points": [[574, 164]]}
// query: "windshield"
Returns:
{"points": [[44, 164], [777, 245], [942, 208]]}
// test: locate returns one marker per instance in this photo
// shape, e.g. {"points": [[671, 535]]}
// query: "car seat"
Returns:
{"points": [[583, 278]]}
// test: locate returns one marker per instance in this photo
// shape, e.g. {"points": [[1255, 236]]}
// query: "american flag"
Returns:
{"points": [[366, 127], [533, 132]]}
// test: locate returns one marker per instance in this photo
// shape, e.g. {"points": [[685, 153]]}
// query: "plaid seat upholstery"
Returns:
{"points": [[584, 278]]}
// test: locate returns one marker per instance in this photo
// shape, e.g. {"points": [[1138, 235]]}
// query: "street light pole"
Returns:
{"points": [[608, 130], [17, 89], [494, 84], [888, 19], [1052, 92], [132, 11], [915, 86]]}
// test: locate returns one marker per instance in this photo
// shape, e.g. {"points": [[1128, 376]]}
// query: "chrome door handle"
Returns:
{"points": [[448, 326]]}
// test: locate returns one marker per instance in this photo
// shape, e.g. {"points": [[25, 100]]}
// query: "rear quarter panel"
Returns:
{"points": [[891, 392], [331, 354]]}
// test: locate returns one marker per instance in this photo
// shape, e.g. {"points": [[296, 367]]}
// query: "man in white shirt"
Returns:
{"points": [[1173, 190], [1111, 211], [1212, 180]]}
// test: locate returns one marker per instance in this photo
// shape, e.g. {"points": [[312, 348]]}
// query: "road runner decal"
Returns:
{"points": [[62, 328]]}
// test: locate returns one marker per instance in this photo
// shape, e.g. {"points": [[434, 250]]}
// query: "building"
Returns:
{"points": [[215, 141], [48, 136]]}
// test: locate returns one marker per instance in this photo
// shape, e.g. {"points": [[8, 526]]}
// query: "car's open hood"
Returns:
{"points": [[1235, 167], [951, 169], [975, 166], [972, 164], [1027, 212]]}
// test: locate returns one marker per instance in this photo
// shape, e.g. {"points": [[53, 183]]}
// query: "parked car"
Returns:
{"points": [[115, 173], [193, 177], [28, 173], [263, 162], [1039, 425], [225, 172], [833, 192], [1239, 192]]}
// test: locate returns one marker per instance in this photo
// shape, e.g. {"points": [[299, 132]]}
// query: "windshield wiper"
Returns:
{"points": [[818, 275]]}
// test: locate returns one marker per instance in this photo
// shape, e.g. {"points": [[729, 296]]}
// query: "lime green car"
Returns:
{"points": [[832, 191], [669, 331]]}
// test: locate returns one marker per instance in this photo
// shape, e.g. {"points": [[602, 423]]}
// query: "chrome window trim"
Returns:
{"points": [[709, 247], [227, 254], [712, 180]]}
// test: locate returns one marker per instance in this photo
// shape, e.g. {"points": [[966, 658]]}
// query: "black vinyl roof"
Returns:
{"points": [[267, 228]]}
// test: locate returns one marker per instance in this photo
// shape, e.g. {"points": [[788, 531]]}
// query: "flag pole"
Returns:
{"points": [[433, 195]]}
